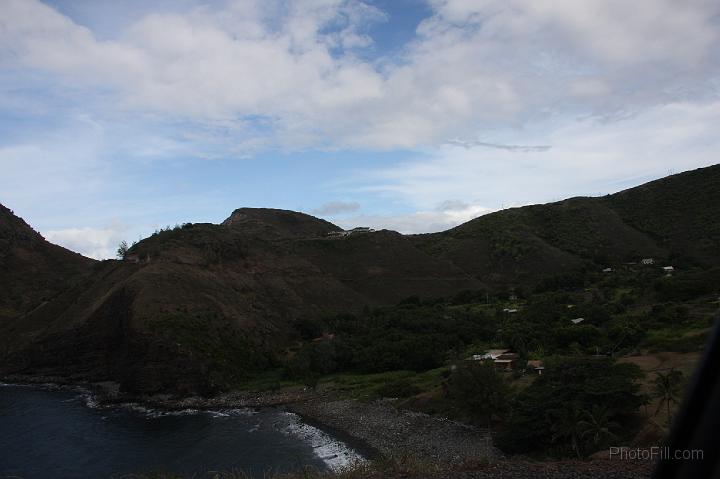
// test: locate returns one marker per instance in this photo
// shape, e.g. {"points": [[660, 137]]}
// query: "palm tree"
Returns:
{"points": [[598, 425], [668, 389], [567, 426]]}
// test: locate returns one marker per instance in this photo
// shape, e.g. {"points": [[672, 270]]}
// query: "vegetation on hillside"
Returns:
{"points": [[420, 352]]}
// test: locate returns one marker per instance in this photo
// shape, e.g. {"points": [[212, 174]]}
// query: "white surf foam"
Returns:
{"points": [[334, 453]]}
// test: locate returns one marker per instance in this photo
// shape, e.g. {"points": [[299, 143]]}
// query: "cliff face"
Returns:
{"points": [[198, 308]]}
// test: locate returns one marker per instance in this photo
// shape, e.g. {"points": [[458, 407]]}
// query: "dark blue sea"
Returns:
{"points": [[59, 433]]}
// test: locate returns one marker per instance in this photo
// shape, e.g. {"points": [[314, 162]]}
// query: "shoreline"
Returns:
{"points": [[376, 430], [401, 433], [107, 394], [362, 447]]}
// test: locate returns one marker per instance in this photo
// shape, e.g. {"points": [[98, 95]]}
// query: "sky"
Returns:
{"points": [[119, 118]]}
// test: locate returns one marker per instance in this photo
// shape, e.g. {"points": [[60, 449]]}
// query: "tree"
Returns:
{"points": [[122, 250], [481, 388], [667, 388], [597, 425]]}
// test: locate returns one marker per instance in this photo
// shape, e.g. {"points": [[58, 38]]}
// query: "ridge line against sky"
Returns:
{"points": [[117, 118]]}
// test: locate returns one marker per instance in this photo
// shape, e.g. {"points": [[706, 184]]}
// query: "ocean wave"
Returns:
{"points": [[334, 453]]}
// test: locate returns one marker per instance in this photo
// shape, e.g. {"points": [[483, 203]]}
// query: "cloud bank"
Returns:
{"points": [[293, 74]]}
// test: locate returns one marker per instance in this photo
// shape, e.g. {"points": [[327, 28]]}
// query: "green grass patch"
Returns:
{"points": [[676, 339], [369, 386]]}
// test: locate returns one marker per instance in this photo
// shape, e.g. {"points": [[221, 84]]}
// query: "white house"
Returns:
{"points": [[577, 320], [647, 261], [608, 270], [668, 269]]}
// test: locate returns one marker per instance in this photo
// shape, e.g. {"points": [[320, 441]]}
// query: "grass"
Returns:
{"points": [[681, 340], [270, 380], [365, 386]]}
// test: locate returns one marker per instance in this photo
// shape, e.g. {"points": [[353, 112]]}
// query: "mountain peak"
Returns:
{"points": [[277, 222]]}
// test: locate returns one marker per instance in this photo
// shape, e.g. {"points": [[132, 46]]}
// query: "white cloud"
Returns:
{"points": [[612, 30], [98, 243], [587, 158], [475, 65], [333, 208]]}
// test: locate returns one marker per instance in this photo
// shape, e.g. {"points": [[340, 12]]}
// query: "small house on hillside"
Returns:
{"points": [[536, 366], [647, 261], [505, 361], [336, 234], [502, 359], [577, 320], [607, 270], [504, 364], [668, 269]]}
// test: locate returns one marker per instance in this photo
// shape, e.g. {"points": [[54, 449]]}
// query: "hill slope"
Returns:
{"points": [[674, 219], [32, 270], [198, 308]]}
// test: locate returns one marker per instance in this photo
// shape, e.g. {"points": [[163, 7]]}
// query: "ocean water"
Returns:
{"points": [[60, 433]]}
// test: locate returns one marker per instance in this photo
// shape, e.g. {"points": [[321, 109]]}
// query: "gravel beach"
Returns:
{"points": [[395, 432]]}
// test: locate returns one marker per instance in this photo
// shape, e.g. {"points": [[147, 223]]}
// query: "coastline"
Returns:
{"points": [[399, 433], [376, 431]]}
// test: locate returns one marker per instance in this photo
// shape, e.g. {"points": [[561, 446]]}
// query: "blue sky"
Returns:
{"points": [[117, 118]]}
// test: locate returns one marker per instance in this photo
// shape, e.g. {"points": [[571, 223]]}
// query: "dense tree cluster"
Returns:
{"points": [[573, 407], [411, 336]]}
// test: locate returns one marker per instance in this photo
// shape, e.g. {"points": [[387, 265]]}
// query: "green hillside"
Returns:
{"points": [[674, 219]]}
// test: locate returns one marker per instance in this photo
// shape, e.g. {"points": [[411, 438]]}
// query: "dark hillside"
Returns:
{"points": [[202, 307], [670, 219], [680, 213], [32, 270]]}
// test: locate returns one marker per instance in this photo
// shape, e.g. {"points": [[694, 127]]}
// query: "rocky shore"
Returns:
{"points": [[395, 432], [446, 449]]}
